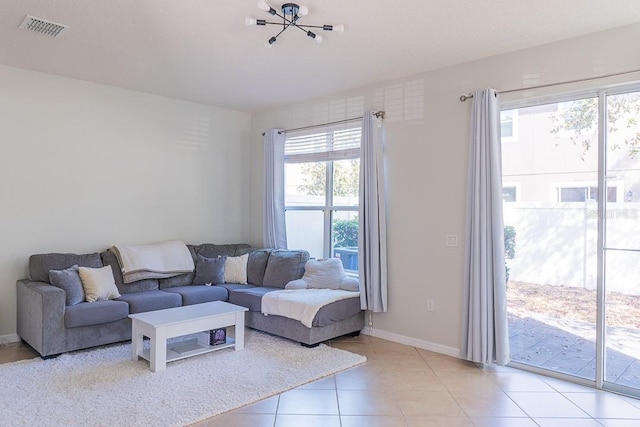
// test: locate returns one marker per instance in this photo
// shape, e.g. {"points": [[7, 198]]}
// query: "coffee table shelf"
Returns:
{"points": [[187, 348]]}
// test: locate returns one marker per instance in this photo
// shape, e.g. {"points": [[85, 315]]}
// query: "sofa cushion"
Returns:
{"points": [[140, 302], [209, 270], [109, 258], [95, 313], [98, 283], [235, 269], [41, 264], [69, 281], [250, 297], [284, 266], [196, 294], [234, 286], [210, 250], [256, 265], [181, 279]]}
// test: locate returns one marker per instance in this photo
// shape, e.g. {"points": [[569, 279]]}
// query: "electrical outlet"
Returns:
{"points": [[452, 240], [431, 305]]}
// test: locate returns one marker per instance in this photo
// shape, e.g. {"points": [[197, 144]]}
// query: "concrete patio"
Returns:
{"points": [[569, 347]]}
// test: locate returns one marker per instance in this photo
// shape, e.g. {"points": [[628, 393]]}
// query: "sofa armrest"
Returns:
{"points": [[40, 316]]}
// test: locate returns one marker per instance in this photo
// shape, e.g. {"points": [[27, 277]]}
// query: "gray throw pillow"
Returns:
{"points": [[69, 281], [209, 270], [284, 266]]}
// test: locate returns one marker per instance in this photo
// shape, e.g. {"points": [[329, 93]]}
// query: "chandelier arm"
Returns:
{"points": [[281, 31], [292, 24], [301, 27], [274, 23], [311, 26]]}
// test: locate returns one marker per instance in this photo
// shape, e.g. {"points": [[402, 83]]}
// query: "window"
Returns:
{"points": [[582, 194], [322, 177], [509, 125], [509, 194]]}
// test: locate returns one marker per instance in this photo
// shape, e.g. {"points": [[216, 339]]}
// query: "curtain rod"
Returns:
{"points": [[378, 114], [586, 79]]}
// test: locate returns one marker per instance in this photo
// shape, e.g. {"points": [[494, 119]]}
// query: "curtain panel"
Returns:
{"points": [[372, 233], [274, 226], [485, 329]]}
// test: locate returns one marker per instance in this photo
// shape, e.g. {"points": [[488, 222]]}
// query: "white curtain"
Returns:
{"points": [[372, 234], [274, 226], [485, 335]]}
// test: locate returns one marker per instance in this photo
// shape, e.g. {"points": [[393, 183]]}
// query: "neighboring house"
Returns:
{"points": [[542, 165], [550, 193]]}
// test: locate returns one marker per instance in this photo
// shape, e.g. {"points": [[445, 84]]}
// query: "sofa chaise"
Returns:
{"points": [[49, 324]]}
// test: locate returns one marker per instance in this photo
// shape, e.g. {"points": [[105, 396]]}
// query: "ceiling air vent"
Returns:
{"points": [[42, 26]]}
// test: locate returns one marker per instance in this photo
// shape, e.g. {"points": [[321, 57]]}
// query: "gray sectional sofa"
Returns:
{"points": [[52, 327]]}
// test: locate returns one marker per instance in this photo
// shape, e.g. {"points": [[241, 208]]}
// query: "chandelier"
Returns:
{"points": [[291, 14]]}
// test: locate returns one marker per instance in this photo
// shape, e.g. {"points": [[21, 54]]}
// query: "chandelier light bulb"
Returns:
{"points": [[263, 5], [303, 11], [318, 38], [250, 21], [338, 28]]}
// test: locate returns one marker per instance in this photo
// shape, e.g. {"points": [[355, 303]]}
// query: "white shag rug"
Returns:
{"points": [[104, 387]]}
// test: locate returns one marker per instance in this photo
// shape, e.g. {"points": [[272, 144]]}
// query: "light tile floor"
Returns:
{"points": [[404, 386]]}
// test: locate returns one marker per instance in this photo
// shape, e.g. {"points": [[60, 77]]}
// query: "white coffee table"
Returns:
{"points": [[160, 325]]}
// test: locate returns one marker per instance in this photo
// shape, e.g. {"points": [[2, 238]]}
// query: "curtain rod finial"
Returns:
{"points": [[465, 97]]}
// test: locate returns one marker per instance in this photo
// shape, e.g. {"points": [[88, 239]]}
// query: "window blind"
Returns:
{"points": [[323, 145]]}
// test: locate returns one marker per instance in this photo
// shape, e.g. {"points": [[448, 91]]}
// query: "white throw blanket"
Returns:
{"points": [[302, 304], [157, 261]]}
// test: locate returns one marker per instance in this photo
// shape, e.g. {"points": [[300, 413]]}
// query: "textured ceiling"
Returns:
{"points": [[201, 50]]}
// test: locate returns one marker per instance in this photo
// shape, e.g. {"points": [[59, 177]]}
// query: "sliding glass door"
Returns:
{"points": [[550, 186], [571, 191], [621, 250]]}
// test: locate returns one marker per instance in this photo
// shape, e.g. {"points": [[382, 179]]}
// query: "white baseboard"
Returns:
{"points": [[401, 339], [6, 339]]}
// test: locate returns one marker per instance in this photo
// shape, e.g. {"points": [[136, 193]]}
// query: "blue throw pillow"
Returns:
{"points": [[69, 281], [209, 270]]}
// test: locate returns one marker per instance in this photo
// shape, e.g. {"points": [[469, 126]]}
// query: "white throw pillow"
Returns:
{"points": [[296, 284], [98, 283], [235, 269], [323, 273], [350, 284]]}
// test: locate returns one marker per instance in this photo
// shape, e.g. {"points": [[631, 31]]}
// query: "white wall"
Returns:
{"points": [[426, 130], [85, 166]]}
